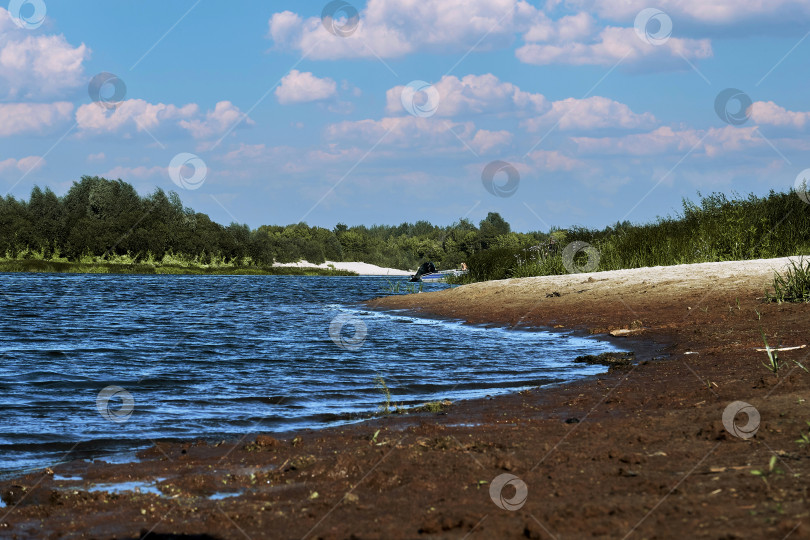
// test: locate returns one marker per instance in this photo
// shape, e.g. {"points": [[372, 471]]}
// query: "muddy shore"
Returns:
{"points": [[639, 452]]}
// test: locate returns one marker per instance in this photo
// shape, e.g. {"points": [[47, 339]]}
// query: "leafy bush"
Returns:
{"points": [[550, 266], [497, 263]]}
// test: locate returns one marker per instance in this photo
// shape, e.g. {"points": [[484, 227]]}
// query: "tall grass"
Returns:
{"points": [[717, 228], [395, 287], [793, 285]]}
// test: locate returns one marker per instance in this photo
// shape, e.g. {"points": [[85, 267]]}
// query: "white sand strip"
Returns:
{"points": [[754, 273], [361, 268]]}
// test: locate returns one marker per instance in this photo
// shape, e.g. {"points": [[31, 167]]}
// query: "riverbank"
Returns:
{"points": [[35, 265], [359, 268], [300, 268], [638, 452]]}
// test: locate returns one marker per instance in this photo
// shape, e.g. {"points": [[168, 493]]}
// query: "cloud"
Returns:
{"points": [[96, 157], [484, 140], [474, 94], [665, 140], [136, 113], [405, 132], [35, 66], [432, 136], [261, 154], [24, 165], [289, 159], [17, 118], [567, 28], [297, 87], [224, 116], [730, 139], [716, 13], [144, 116], [595, 112], [140, 173], [610, 46], [553, 161], [486, 94], [333, 154], [247, 152], [660, 141], [394, 28], [769, 113]]}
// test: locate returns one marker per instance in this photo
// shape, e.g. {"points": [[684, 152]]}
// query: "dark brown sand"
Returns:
{"points": [[639, 452]]}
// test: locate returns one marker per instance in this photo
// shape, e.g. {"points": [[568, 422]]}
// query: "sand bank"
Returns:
{"points": [[361, 268]]}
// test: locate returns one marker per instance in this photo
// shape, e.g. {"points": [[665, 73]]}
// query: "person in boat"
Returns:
{"points": [[426, 268], [464, 266]]}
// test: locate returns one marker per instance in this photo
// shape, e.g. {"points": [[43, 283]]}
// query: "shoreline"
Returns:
{"points": [[344, 420], [630, 452], [301, 268]]}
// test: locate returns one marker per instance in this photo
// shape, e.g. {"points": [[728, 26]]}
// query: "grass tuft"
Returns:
{"points": [[379, 381], [793, 285]]}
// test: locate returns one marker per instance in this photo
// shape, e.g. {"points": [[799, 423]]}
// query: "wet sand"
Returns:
{"points": [[638, 452]]}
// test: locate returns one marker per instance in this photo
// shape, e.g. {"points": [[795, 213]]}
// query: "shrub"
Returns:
{"points": [[497, 263]]}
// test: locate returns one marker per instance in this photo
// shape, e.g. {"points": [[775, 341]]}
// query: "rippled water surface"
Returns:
{"points": [[221, 356]]}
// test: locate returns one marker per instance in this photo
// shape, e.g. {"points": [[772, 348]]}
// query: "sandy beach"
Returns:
{"points": [[360, 268], [641, 451]]}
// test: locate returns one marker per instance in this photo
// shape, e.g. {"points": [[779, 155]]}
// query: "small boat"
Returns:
{"points": [[427, 272], [441, 276]]}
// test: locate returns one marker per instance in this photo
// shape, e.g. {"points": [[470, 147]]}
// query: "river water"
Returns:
{"points": [[92, 365]]}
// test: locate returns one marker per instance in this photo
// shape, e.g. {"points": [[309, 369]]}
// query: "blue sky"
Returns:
{"points": [[605, 110]]}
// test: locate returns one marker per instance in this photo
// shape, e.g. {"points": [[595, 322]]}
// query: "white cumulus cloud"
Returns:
{"points": [[612, 45], [34, 66], [715, 13], [474, 94], [430, 135], [132, 113], [24, 165], [224, 116], [139, 115], [298, 87], [769, 113], [553, 161], [18, 118], [485, 140], [595, 112], [393, 28], [666, 140]]}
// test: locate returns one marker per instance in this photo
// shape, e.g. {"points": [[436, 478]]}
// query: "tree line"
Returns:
{"points": [[100, 220], [107, 219]]}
